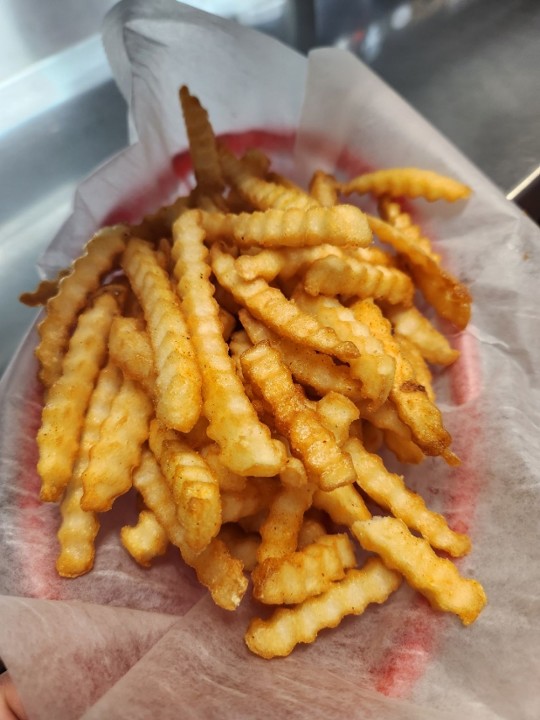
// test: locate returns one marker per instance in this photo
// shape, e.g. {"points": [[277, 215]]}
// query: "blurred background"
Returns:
{"points": [[471, 67]]}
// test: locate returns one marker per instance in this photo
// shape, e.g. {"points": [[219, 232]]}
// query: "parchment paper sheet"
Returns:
{"points": [[123, 642]]}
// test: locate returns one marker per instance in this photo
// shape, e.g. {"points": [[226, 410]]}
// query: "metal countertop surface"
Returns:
{"points": [[469, 66]]}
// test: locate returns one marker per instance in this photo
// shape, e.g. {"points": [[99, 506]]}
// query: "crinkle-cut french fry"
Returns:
{"points": [[413, 405], [283, 262], [194, 486], [390, 492], [374, 368], [391, 211], [372, 254], [279, 635], [410, 323], [337, 413], [256, 496], [279, 532], [67, 400], [99, 256], [257, 161], [246, 445], [422, 373], [228, 322], [372, 436], [325, 463], [339, 225], [215, 568], [178, 380], [241, 545], [221, 573], [131, 350], [163, 254], [269, 305], [294, 474], [311, 530], [333, 275], [227, 480], [308, 367], [448, 296], [406, 451], [385, 418], [408, 182], [45, 290], [146, 540], [261, 193], [202, 143], [344, 505], [79, 528], [293, 578], [118, 451], [323, 188], [436, 578]]}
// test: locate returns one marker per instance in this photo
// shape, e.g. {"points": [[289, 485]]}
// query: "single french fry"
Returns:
{"points": [[227, 480], [337, 413], [390, 492], [436, 578], [98, 258], [146, 540], [202, 143], [325, 463], [422, 373], [226, 405], [406, 451], [268, 264], [333, 275], [311, 530], [295, 577], [279, 532], [391, 211], [340, 225], [344, 505], [410, 323], [131, 350], [408, 182], [45, 290], [78, 528], [294, 474], [67, 400], [324, 189], [269, 305], [279, 635], [178, 380]]}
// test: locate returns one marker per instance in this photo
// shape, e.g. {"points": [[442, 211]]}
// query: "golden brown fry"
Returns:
{"points": [[279, 635], [294, 473], [261, 193], [435, 577], [337, 413], [227, 480], [279, 532], [178, 380], [131, 350], [195, 488], [413, 405], [67, 400], [311, 530], [408, 182], [279, 314], [308, 367], [256, 496], [344, 505], [324, 189], [391, 211], [215, 568], [44, 291], [410, 323], [448, 296], [422, 373], [118, 451], [78, 528], [246, 445], [406, 451], [390, 492], [283, 262], [98, 258], [340, 225], [325, 464], [202, 143], [146, 540], [294, 577], [158, 225], [333, 275], [374, 368]]}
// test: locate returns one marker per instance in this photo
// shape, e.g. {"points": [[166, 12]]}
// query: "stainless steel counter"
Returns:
{"points": [[470, 66]]}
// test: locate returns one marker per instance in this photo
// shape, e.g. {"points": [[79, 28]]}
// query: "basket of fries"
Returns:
{"points": [[254, 407]]}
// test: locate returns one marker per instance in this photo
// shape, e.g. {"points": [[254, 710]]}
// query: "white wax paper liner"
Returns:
{"points": [[399, 660]]}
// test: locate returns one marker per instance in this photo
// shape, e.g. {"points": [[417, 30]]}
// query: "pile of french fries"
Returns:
{"points": [[239, 358]]}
